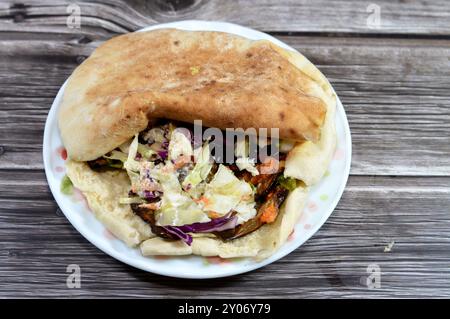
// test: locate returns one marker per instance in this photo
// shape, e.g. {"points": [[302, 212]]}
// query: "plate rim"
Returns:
{"points": [[145, 267]]}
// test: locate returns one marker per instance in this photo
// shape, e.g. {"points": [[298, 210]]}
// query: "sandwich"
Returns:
{"points": [[159, 180]]}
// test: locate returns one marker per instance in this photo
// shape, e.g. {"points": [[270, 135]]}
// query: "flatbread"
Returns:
{"points": [[308, 160], [102, 191], [222, 79]]}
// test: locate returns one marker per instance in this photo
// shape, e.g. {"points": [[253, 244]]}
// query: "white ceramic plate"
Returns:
{"points": [[322, 199]]}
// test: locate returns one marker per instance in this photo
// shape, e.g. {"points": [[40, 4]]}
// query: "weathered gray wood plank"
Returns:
{"points": [[37, 244], [347, 16], [396, 94]]}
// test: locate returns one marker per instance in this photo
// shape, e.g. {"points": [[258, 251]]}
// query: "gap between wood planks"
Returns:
{"points": [[84, 37], [354, 87], [323, 267], [413, 17], [360, 35]]}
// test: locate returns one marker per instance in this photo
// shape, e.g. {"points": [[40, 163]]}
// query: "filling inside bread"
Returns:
{"points": [[183, 187]]}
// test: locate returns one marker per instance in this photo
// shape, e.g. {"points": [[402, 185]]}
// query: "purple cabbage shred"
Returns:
{"points": [[215, 225]]}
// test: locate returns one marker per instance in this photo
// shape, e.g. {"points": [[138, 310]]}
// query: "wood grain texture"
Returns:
{"points": [[38, 243], [392, 90], [394, 82], [319, 16]]}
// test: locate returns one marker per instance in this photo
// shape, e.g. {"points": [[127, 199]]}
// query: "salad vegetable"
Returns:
{"points": [[179, 189]]}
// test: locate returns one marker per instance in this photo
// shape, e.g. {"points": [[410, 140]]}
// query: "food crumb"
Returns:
{"points": [[194, 70]]}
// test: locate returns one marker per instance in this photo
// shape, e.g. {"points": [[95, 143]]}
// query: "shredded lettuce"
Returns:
{"points": [[135, 180], [155, 134], [226, 183], [241, 148], [243, 162], [117, 155], [145, 151], [131, 200], [245, 210], [131, 164], [225, 191], [248, 164], [201, 169], [179, 145], [188, 202], [177, 207]]}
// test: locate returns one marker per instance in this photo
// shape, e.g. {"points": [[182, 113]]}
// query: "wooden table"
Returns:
{"points": [[393, 79]]}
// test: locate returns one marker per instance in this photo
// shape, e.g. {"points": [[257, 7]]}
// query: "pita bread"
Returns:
{"points": [[224, 80], [103, 190], [308, 161]]}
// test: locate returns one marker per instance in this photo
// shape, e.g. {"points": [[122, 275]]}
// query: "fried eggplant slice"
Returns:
{"points": [[148, 216], [102, 163], [273, 202]]}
